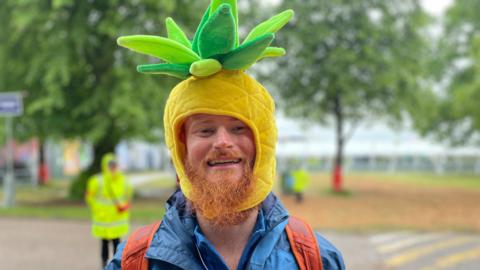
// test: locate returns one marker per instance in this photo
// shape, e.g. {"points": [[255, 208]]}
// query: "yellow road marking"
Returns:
{"points": [[455, 259], [414, 254]]}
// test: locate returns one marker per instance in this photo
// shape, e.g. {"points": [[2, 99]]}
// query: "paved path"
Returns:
{"points": [[57, 244], [357, 251], [47, 245], [428, 251]]}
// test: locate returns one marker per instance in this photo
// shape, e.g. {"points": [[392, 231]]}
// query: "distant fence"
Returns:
{"points": [[22, 175], [434, 164]]}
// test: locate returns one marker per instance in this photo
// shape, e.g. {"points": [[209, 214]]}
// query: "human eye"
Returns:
{"points": [[206, 131], [239, 129]]}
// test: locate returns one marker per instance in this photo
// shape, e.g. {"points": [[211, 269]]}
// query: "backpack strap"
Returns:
{"points": [[300, 235], [133, 257], [303, 243]]}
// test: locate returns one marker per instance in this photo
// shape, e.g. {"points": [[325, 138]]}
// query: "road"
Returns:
{"points": [[58, 244]]}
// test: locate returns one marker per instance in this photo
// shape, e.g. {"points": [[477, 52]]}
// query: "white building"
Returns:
{"points": [[373, 147]]}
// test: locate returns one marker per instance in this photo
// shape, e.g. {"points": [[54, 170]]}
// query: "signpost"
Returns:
{"points": [[10, 105]]}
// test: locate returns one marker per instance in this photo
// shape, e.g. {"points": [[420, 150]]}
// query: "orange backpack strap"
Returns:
{"points": [[303, 243], [133, 257]]}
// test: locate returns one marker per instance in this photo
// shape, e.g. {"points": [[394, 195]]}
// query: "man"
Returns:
{"points": [[108, 195], [221, 132], [301, 179]]}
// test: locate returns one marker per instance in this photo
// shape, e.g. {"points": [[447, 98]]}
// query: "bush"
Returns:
{"points": [[78, 186]]}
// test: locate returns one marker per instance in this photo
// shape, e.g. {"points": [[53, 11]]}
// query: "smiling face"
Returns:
{"points": [[218, 146], [220, 154]]}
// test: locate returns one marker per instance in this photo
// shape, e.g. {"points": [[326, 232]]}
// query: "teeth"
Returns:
{"points": [[217, 162]]}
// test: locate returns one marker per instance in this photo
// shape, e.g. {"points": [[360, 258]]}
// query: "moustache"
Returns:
{"points": [[224, 154]]}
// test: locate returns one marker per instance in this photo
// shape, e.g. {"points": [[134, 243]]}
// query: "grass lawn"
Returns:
{"points": [[370, 202], [425, 179], [50, 202]]}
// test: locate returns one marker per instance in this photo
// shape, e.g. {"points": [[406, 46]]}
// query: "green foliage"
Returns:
{"points": [[77, 188], [66, 212], [80, 84], [369, 53], [457, 67], [349, 61]]}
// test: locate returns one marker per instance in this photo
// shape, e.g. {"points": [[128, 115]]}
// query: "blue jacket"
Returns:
{"points": [[179, 243]]}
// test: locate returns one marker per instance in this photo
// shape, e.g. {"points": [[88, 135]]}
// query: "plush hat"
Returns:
{"points": [[213, 65]]}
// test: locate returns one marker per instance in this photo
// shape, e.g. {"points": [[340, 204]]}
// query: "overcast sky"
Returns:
{"points": [[435, 7], [375, 133]]}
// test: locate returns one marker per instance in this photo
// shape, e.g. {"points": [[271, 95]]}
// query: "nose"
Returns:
{"points": [[223, 139]]}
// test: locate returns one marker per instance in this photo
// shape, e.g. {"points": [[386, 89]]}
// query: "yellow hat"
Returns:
{"points": [[213, 64], [231, 93]]}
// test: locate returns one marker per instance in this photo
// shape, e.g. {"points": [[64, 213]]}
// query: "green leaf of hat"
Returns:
{"points": [[181, 71], [271, 25], [166, 49], [247, 54], [218, 34], [202, 23], [176, 33], [269, 52], [272, 52], [233, 5], [205, 67], [214, 46]]}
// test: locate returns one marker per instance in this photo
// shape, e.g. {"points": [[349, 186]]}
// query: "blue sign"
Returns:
{"points": [[11, 104]]}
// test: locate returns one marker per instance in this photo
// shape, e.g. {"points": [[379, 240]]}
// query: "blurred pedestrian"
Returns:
{"points": [[286, 182], [301, 179], [108, 196]]}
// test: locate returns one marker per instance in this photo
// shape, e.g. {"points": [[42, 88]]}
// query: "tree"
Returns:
{"points": [[351, 61], [80, 83], [457, 67]]}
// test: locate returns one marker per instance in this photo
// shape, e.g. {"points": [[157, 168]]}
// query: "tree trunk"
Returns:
{"points": [[43, 172], [99, 150], [337, 178], [79, 185]]}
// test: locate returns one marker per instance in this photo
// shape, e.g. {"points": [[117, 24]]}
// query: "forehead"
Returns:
{"points": [[210, 119]]}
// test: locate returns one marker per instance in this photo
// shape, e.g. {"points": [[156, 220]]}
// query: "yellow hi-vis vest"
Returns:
{"points": [[301, 180], [103, 196]]}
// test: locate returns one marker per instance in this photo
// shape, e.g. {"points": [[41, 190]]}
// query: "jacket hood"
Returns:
{"points": [[105, 160]]}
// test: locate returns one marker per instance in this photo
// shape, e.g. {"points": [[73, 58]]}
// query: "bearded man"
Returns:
{"points": [[221, 133]]}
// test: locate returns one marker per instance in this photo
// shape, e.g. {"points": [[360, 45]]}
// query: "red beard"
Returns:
{"points": [[218, 199]]}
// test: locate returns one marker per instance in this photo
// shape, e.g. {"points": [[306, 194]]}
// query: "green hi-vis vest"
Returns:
{"points": [[103, 196]]}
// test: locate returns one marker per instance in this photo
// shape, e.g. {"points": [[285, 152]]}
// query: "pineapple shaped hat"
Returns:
{"points": [[212, 67]]}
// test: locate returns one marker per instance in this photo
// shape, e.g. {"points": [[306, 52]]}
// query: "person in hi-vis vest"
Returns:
{"points": [[301, 179], [108, 196]]}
